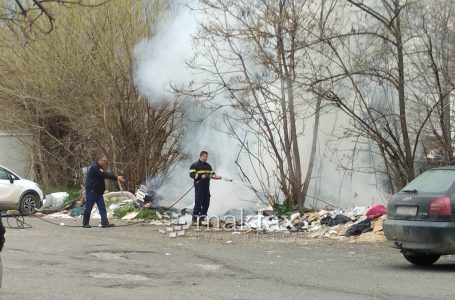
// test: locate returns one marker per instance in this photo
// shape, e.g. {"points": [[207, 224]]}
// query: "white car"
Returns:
{"points": [[19, 194]]}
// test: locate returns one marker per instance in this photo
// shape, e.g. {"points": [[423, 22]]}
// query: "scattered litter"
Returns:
{"points": [[130, 215], [54, 199], [167, 254], [160, 223], [377, 227], [77, 211], [359, 228], [357, 223]]}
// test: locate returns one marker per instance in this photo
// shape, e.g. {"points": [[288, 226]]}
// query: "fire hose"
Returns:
{"points": [[20, 223], [186, 193], [18, 218], [179, 199]]}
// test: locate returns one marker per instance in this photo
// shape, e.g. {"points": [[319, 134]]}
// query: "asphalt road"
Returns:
{"points": [[137, 262]]}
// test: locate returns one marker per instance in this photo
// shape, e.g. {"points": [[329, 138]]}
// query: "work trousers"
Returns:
{"points": [[90, 201], [201, 201]]}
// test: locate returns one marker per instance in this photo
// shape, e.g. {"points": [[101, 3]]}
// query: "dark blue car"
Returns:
{"points": [[421, 220]]}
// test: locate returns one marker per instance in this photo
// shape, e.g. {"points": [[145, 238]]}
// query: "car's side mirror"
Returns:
{"points": [[11, 178]]}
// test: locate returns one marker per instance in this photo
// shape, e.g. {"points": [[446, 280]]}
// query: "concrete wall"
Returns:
{"points": [[14, 153]]}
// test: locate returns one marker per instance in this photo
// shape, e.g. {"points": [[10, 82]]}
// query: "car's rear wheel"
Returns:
{"points": [[29, 204], [421, 259]]}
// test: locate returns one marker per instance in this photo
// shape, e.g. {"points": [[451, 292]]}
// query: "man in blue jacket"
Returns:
{"points": [[202, 172], [94, 190]]}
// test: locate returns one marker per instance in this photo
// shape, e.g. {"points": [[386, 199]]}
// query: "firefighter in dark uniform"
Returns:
{"points": [[202, 172], [94, 190]]}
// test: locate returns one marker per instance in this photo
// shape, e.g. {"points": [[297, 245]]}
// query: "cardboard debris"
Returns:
{"points": [[319, 233], [130, 215], [295, 218], [378, 225]]}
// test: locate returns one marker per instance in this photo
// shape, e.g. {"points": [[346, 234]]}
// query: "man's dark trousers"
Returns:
{"points": [[201, 201], [90, 200]]}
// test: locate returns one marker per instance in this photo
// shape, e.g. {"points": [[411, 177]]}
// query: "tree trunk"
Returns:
{"points": [[402, 100], [306, 183], [446, 132]]}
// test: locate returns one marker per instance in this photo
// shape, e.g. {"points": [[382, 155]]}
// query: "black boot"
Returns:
{"points": [[107, 225]]}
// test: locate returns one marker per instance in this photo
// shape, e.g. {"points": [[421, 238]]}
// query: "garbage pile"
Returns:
{"points": [[324, 223], [61, 205], [360, 222], [365, 224]]}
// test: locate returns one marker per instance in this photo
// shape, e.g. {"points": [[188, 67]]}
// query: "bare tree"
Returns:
{"points": [[256, 65], [24, 14], [377, 72], [79, 96]]}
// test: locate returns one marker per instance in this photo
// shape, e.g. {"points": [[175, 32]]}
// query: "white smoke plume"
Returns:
{"points": [[161, 61]]}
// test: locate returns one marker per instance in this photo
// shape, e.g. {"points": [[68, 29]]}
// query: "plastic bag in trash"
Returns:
{"points": [[376, 211], [342, 219], [359, 228], [55, 199], [327, 221], [77, 211], [339, 219]]}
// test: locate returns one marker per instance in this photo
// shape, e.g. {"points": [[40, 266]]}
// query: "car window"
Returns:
{"points": [[4, 174], [433, 181]]}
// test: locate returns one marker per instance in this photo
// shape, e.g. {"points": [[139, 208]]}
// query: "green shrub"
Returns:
{"points": [[143, 214], [146, 214], [123, 211], [284, 208], [72, 194]]}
